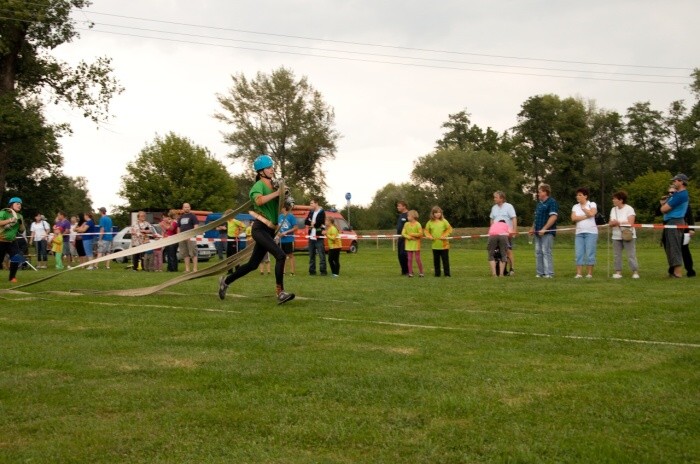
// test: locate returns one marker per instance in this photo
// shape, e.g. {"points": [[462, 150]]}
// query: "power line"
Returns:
{"points": [[379, 61], [383, 46], [369, 53], [160, 31]]}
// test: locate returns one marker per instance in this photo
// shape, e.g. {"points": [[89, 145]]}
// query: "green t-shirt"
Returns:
{"points": [[9, 234], [437, 229], [269, 209], [410, 230]]}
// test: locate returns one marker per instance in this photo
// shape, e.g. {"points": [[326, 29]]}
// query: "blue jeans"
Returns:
{"points": [[41, 251], [586, 245], [316, 247], [543, 255]]}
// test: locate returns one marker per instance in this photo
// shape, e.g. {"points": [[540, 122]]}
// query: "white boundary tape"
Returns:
{"points": [[509, 332]]}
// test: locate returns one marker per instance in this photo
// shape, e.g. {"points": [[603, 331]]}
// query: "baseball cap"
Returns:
{"points": [[680, 177], [103, 209]]}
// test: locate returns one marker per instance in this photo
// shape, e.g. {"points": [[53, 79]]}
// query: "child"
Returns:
{"points": [[438, 229], [334, 244], [57, 246], [413, 232], [498, 239]]}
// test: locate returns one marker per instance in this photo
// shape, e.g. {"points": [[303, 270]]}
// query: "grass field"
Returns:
{"points": [[369, 367]]}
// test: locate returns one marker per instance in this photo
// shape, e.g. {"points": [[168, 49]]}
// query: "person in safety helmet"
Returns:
{"points": [[265, 200], [11, 224]]}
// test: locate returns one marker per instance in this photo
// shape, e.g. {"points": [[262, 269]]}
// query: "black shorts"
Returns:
{"points": [[287, 247]]}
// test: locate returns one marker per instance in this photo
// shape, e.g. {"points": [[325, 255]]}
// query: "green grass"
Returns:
{"points": [[369, 367]]}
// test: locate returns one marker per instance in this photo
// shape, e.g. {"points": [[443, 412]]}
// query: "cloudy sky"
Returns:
{"points": [[392, 70]]}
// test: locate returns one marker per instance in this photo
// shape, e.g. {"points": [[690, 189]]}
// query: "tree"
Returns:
{"points": [[285, 118], [172, 171], [462, 183], [645, 146], [535, 138], [607, 132], [383, 206], [552, 142], [644, 193], [464, 135], [28, 73]]}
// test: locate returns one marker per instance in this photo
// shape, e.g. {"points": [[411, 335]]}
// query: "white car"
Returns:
{"points": [[122, 241]]}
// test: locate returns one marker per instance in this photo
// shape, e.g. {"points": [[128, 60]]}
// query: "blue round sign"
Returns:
{"points": [[348, 196]]}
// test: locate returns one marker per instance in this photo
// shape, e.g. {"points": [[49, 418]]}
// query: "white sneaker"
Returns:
{"points": [[578, 276], [617, 275], [589, 276], [635, 276]]}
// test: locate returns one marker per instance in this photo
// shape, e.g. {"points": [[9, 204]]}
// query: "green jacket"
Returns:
{"points": [[8, 234]]}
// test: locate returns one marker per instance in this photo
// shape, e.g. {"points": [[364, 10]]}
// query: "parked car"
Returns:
{"points": [[122, 241], [348, 237]]}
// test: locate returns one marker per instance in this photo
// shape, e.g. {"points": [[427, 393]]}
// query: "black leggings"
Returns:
{"points": [[11, 249], [264, 243]]}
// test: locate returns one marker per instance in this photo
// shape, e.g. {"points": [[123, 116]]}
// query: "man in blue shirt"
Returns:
{"points": [[544, 229], [674, 208]]}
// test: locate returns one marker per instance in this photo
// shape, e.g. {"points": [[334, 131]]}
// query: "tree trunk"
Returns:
{"points": [[14, 38]]}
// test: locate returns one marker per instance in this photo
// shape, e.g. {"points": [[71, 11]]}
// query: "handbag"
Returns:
{"points": [[626, 232]]}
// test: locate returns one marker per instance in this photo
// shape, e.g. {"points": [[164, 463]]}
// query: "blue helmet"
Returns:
{"points": [[14, 200], [262, 162]]}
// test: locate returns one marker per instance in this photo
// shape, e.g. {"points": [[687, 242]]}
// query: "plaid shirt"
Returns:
{"points": [[543, 210]]}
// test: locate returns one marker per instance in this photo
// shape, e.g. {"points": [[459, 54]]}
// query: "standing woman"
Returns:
{"points": [[586, 243], [169, 227], [265, 201], [11, 225], [39, 235], [141, 233], [622, 218], [80, 228]]}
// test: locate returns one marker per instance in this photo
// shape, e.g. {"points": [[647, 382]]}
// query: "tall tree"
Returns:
{"points": [[28, 73], [551, 143], [462, 183], [173, 170], [535, 138], [462, 134], [285, 118], [607, 132], [645, 146], [383, 206]]}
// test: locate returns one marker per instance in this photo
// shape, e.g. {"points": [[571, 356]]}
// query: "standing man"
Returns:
{"points": [[544, 229], [188, 248], [674, 208], [502, 211], [402, 208], [316, 223], [11, 225], [64, 224], [104, 240]]}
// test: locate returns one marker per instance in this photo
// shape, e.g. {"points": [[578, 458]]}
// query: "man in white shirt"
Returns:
{"points": [[502, 211]]}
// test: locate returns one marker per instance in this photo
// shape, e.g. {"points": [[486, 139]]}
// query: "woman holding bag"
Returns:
{"points": [[623, 234]]}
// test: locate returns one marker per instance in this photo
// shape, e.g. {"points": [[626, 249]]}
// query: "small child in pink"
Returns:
{"points": [[498, 238]]}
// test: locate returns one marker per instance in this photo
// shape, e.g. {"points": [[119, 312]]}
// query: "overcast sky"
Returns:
{"points": [[487, 57]]}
